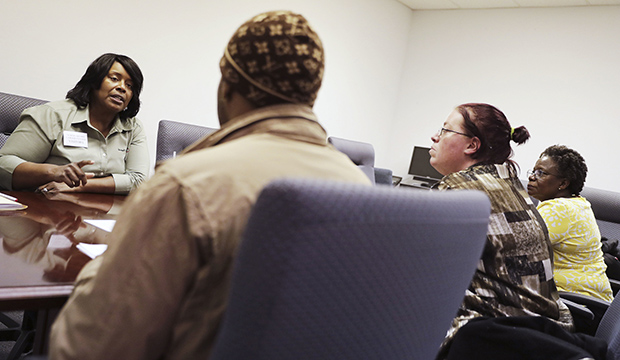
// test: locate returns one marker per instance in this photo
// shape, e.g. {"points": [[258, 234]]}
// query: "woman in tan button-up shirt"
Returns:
{"points": [[90, 142]]}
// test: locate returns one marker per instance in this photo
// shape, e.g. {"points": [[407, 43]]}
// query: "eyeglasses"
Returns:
{"points": [[442, 130], [539, 173]]}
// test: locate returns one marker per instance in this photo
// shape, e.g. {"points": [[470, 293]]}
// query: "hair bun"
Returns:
{"points": [[520, 135]]}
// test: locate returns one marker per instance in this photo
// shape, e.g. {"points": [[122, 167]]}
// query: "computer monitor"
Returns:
{"points": [[421, 168]]}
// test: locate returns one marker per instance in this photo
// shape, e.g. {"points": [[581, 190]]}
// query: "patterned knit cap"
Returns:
{"points": [[276, 57]]}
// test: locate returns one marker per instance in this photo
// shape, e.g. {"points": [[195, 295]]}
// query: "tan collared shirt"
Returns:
{"points": [[42, 136], [161, 288]]}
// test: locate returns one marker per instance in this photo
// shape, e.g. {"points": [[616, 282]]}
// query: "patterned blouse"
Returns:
{"points": [[515, 273], [578, 260]]}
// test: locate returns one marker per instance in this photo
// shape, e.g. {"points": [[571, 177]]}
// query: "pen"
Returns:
{"points": [[8, 196]]}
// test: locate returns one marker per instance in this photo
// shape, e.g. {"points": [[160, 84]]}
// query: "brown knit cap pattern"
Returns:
{"points": [[275, 57]]}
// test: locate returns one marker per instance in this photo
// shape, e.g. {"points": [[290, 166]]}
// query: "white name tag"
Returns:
{"points": [[75, 139]]}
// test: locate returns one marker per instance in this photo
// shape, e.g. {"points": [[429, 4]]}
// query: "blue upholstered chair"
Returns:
{"points": [[609, 329], [174, 136], [11, 107], [339, 271], [363, 155]]}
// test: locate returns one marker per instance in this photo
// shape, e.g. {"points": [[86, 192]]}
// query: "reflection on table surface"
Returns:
{"points": [[39, 243]]}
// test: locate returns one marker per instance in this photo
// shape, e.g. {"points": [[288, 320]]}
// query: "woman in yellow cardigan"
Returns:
{"points": [[556, 180]]}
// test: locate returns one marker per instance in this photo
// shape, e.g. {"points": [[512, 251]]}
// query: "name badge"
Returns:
{"points": [[75, 139]]}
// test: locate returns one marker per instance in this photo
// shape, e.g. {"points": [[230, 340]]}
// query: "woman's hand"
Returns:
{"points": [[28, 175], [72, 174], [53, 188]]}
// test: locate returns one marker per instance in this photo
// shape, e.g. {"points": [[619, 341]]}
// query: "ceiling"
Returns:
{"points": [[493, 4]]}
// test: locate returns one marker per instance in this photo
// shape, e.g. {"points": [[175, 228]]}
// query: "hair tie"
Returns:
{"points": [[512, 131]]}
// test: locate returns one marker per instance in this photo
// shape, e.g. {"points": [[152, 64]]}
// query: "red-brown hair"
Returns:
{"points": [[490, 125]]}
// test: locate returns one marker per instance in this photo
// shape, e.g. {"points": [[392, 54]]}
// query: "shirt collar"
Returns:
{"points": [[82, 115], [291, 121]]}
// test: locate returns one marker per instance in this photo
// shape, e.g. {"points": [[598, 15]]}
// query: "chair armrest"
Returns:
{"points": [[578, 310], [597, 306]]}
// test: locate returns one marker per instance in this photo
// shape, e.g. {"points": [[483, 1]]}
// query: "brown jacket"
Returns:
{"points": [[161, 288]]}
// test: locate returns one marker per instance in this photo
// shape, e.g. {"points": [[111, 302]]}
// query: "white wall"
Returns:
{"points": [[392, 74], [47, 45], [554, 70]]}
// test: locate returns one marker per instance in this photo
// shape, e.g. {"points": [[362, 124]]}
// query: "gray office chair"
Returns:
{"points": [[609, 330], [605, 205], [338, 271], [11, 107], [173, 137], [363, 155]]}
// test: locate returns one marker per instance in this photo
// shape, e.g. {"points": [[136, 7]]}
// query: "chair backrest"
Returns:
{"points": [[11, 107], [606, 208], [383, 176], [609, 329], [174, 136], [362, 154], [338, 271]]}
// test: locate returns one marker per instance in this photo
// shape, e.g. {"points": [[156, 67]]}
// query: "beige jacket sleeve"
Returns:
{"points": [[125, 302]]}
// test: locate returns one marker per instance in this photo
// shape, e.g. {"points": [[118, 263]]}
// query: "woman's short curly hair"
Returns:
{"points": [[570, 164]]}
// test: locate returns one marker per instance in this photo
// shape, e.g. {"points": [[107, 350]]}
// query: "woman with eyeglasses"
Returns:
{"points": [[514, 277], [556, 181]]}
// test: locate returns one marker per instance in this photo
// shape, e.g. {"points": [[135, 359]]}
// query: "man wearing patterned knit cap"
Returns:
{"points": [[161, 288], [275, 58]]}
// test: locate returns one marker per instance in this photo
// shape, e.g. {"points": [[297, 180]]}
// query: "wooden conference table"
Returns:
{"points": [[39, 258]]}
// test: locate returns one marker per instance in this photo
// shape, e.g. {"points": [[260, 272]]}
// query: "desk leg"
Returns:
{"points": [[45, 319], [23, 336]]}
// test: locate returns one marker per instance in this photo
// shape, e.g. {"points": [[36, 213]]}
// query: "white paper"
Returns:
{"points": [[92, 250], [58, 241], [103, 224]]}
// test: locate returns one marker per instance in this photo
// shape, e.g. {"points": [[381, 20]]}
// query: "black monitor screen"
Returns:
{"points": [[420, 167]]}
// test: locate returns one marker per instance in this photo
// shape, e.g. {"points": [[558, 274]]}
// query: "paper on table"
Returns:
{"points": [[103, 224], [92, 250], [58, 241], [7, 203]]}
